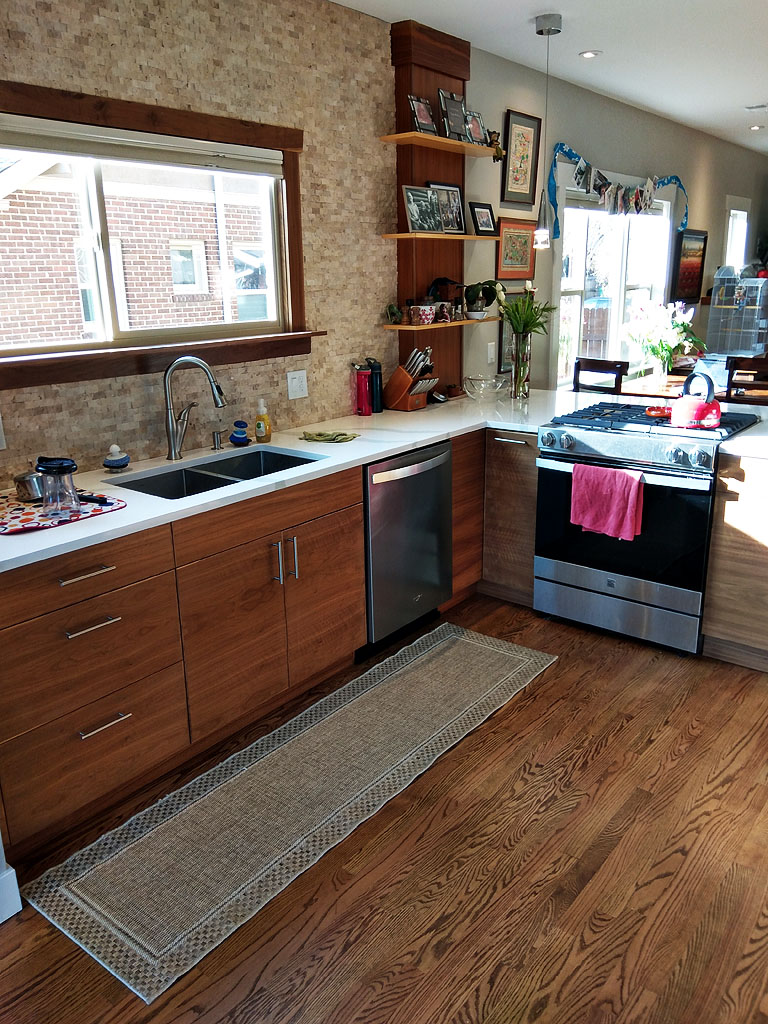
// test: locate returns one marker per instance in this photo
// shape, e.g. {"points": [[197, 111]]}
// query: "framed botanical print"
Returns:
{"points": [[522, 134], [515, 257]]}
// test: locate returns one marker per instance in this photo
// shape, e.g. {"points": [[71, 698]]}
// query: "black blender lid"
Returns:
{"points": [[55, 466]]}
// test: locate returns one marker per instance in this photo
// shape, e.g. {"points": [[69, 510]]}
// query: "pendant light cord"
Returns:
{"points": [[546, 105]]}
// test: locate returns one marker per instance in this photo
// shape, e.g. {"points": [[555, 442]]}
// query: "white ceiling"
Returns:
{"points": [[699, 63]]}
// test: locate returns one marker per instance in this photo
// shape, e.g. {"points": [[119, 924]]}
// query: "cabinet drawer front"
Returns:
{"points": [[67, 658], [67, 579], [53, 771], [223, 528]]}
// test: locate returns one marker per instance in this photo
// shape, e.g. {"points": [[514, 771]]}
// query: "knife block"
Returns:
{"points": [[396, 392]]}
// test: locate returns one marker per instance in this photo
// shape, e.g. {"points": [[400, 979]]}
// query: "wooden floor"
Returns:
{"points": [[596, 852]]}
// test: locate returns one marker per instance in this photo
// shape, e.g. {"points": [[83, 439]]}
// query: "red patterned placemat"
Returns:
{"points": [[18, 516]]}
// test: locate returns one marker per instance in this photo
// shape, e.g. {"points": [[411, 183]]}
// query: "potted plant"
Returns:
{"points": [[525, 317], [477, 298], [664, 333]]}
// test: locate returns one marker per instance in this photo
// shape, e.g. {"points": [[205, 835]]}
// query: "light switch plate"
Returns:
{"points": [[491, 351], [297, 384]]}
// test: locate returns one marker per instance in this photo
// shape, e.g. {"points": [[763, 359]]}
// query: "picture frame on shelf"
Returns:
{"points": [[423, 118], [687, 273], [515, 255], [454, 115], [476, 132], [422, 209], [504, 361], [522, 137], [483, 219], [451, 202]]}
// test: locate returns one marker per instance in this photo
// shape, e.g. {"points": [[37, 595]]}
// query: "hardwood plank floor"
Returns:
{"points": [[596, 852]]}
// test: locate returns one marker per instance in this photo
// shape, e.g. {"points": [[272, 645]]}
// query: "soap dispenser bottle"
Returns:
{"points": [[263, 428]]}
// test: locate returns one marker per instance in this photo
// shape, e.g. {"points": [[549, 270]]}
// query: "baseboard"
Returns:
{"points": [[505, 593], [10, 900], [458, 597], [736, 654]]}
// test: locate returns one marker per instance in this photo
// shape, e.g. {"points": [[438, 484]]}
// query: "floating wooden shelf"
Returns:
{"points": [[428, 141], [444, 236], [432, 327]]}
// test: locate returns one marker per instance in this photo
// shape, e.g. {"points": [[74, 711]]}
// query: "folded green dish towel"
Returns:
{"points": [[331, 437]]}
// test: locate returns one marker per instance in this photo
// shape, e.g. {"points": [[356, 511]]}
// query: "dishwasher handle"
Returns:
{"points": [[413, 470]]}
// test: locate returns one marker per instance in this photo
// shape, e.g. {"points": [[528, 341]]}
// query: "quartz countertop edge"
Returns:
{"points": [[381, 436]]}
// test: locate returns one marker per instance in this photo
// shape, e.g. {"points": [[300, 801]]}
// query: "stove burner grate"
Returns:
{"points": [[609, 416]]}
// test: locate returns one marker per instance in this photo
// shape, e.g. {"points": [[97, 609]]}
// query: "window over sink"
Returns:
{"points": [[114, 238]]}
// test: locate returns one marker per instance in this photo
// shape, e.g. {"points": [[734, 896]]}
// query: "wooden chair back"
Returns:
{"points": [[747, 379], [610, 367]]}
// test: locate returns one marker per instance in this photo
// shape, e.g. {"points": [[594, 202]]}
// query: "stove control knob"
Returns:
{"points": [[566, 441], [701, 458], [675, 455], [548, 439]]}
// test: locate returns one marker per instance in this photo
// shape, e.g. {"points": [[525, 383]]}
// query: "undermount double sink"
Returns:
{"points": [[184, 481]]}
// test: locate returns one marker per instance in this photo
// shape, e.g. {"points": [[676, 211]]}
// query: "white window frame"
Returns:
{"points": [[200, 284], [567, 195], [733, 204], [39, 137]]}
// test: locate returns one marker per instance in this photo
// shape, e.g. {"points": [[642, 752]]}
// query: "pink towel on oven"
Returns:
{"points": [[607, 501]]}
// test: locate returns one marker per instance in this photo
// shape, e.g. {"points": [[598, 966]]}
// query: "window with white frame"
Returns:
{"points": [[188, 270], [150, 255], [612, 266], [737, 209]]}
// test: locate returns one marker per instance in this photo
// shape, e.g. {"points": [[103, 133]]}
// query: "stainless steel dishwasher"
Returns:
{"points": [[408, 537]]}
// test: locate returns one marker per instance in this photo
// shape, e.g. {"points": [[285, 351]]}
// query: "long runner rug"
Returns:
{"points": [[150, 899]]}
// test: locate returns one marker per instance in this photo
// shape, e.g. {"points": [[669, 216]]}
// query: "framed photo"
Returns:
{"points": [[688, 266], [522, 134], [454, 115], [516, 257], [483, 219], [476, 129], [506, 335], [451, 204], [422, 209], [421, 112]]}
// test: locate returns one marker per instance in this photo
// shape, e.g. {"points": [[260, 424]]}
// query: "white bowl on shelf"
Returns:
{"points": [[477, 314]]}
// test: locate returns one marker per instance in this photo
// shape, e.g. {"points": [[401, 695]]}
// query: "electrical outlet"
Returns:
{"points": [[491, 351], [297, 384]]}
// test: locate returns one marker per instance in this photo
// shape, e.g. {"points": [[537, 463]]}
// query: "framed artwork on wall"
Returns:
{"points": [[687, 274], [522, 134], [515, 256]]}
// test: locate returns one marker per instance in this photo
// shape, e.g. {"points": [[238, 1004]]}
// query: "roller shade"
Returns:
{"points": [[39, 134]]}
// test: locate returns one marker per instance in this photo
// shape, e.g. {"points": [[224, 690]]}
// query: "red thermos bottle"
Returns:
{"points": [[364, 392]]}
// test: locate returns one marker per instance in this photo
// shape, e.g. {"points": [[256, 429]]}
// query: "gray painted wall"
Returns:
{"points": [[612, 136]]}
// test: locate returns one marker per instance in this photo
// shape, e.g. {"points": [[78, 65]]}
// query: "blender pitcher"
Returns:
{"points": [[59, 495]]}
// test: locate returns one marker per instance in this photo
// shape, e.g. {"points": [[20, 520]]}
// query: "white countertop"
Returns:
{"points": [[381, 436]]}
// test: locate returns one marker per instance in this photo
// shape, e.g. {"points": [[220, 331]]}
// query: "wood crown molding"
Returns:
{"points": [[413, 43]]}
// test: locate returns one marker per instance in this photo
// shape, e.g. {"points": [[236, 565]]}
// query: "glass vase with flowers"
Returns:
{"points": [[664, 333], [525, 317]]}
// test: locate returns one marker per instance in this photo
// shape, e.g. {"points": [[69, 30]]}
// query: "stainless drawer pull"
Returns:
{"points": [[280, 577], [510, 440], [89, 629], [87, 575], [295, 570], [120, 718]]}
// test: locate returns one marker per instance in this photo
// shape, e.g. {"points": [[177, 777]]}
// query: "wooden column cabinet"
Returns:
{"points": [[735, 623], [269, 615], [468, 483], [510, 515]]}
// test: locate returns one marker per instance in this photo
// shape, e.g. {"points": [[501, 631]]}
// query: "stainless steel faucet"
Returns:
{"points": [[176, 426]]}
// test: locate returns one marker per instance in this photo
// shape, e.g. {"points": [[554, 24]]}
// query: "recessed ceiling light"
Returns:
{"points": [[589, 54], [756, 127]]}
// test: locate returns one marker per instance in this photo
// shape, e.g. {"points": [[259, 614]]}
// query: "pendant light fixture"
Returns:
{"points": [[546, 25]]}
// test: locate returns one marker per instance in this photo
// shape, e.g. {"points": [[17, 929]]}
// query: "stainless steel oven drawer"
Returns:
{"points": [[661, 626]]}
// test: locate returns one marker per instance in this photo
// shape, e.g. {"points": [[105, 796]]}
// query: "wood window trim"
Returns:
{"points": [[27, 370]]}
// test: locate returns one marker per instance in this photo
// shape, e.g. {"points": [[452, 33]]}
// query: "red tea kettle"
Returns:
{"points": [[696, 410]]}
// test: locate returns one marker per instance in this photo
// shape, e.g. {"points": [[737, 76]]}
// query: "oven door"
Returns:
{"points": [[662, 568]]}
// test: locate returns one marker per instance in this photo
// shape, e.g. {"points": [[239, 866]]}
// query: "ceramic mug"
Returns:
{"points": [[421, 315]]}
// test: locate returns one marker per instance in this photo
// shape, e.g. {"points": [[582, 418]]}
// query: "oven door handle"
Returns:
{"points": [[684, 483]]}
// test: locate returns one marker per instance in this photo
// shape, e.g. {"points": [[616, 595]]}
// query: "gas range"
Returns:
{"points": [[626, 435]]}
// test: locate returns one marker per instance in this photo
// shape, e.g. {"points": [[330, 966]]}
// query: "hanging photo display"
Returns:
{"points": [[614, 196]]}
